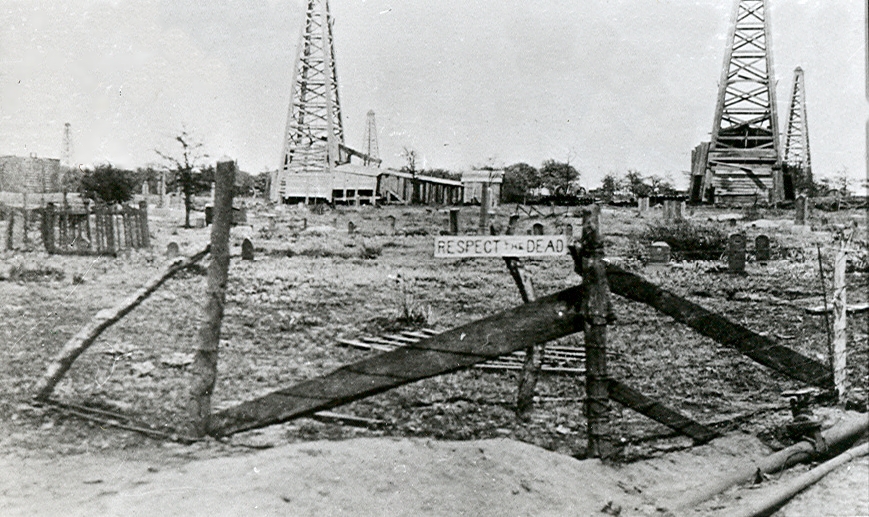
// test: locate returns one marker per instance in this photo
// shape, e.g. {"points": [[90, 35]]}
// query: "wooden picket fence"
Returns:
{"points": [[99, 230]]}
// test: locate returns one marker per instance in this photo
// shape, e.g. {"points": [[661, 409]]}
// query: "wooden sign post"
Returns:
{"points": [[511, 248]]}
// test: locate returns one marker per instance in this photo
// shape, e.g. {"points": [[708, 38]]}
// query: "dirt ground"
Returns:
{"points": [[450, 445], [396, 477]]}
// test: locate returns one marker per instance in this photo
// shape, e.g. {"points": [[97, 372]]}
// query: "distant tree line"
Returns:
{"points": [[524, 183]]}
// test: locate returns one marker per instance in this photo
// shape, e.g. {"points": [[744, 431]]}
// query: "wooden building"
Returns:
{"points": [[406, 188], [474, 181], [30, 174]]}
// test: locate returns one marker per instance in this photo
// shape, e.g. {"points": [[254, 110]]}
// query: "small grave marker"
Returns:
{"points": [[659, 253], [391, 220], [351, 227], [761, 249], [736, 253], [246, 249], [537, 229], [643, 204], [172, 250], [568, 231]]}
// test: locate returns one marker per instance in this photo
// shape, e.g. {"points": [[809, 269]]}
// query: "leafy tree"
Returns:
{"points": [[441, 173], [186, 171], [610, 185], [107, 184], [519, 179], [636, 184], [558, 176]]}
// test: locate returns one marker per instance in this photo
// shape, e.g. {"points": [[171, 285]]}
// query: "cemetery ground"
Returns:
{"points": [[442, 446]]}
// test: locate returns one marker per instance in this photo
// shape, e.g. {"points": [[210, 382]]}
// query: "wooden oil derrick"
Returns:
{"points": [[369, 141], [314, 129], [742, 163], [797, 158]]}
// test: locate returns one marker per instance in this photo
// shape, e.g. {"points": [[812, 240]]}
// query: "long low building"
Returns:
{"points": [[406, 188]]}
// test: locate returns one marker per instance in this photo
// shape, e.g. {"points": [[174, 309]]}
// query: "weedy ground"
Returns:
{"points": [[313, 282]]}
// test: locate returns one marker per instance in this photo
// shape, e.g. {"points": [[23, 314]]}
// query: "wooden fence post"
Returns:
{"points": [[109, 227], [840, 323], [48, 228], [25, 220], [204, 369], [596, 310], [484, 208], [533, 353], [10, 227]]}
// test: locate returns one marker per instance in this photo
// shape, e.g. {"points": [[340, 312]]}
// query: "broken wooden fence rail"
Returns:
{"points": [[759, 348], [545, 319], [105, 318]]}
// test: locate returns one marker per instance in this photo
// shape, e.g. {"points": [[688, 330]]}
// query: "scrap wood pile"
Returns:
{"points": [[556, 359]]}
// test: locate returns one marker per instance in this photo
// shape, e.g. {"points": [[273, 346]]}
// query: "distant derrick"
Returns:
{"points": [[797, 158], [369, 141], [742, 162]]}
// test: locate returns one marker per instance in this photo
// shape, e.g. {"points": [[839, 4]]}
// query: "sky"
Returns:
{"points": [[608, 85]]}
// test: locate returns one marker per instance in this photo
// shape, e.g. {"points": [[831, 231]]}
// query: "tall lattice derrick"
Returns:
{"points": [[369, 141], [743, 160], [797, 157], [314, 128]]}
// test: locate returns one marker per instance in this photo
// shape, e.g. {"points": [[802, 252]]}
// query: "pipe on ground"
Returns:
{"points": [[837, 438], [780, 495]]}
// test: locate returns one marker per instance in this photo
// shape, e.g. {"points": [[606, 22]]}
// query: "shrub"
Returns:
{"points": [[108, 184], [688, 240]]}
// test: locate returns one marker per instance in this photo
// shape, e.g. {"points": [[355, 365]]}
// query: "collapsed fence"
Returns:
{"points": [[524, 328]]}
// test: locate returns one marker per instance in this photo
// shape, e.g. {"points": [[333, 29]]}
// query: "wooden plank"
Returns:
{"points": [[85, 337], [658, 412], [546, 319], [759, 348]]}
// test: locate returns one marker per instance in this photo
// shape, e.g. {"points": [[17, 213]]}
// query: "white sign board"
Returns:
{"points": [[458, 246]]}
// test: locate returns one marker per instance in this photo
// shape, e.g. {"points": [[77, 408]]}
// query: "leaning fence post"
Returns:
{"points": [[533, 353], [204, 369], [596, 310], [840, 323]]}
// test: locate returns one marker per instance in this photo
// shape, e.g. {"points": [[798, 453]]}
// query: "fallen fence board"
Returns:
{"points": [[104, 319], [548, 318], [658, 412], [759, 348]]}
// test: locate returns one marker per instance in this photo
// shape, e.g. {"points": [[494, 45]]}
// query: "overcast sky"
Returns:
{"points": [[609, 84]]}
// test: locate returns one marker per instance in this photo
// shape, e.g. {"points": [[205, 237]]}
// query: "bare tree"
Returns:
{"points": [[185, 170], [410, 157]]}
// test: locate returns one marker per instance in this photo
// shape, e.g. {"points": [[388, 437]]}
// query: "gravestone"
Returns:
{"points": [[511, 224], [568, 231], [643, 204], [304, 223], [246, 249], [391, 220], [761, 248], [659, 253], [800, 215], [454, 221], [736, 253], [537, 229], [351, 227], [672, 210], [172, 250]]}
